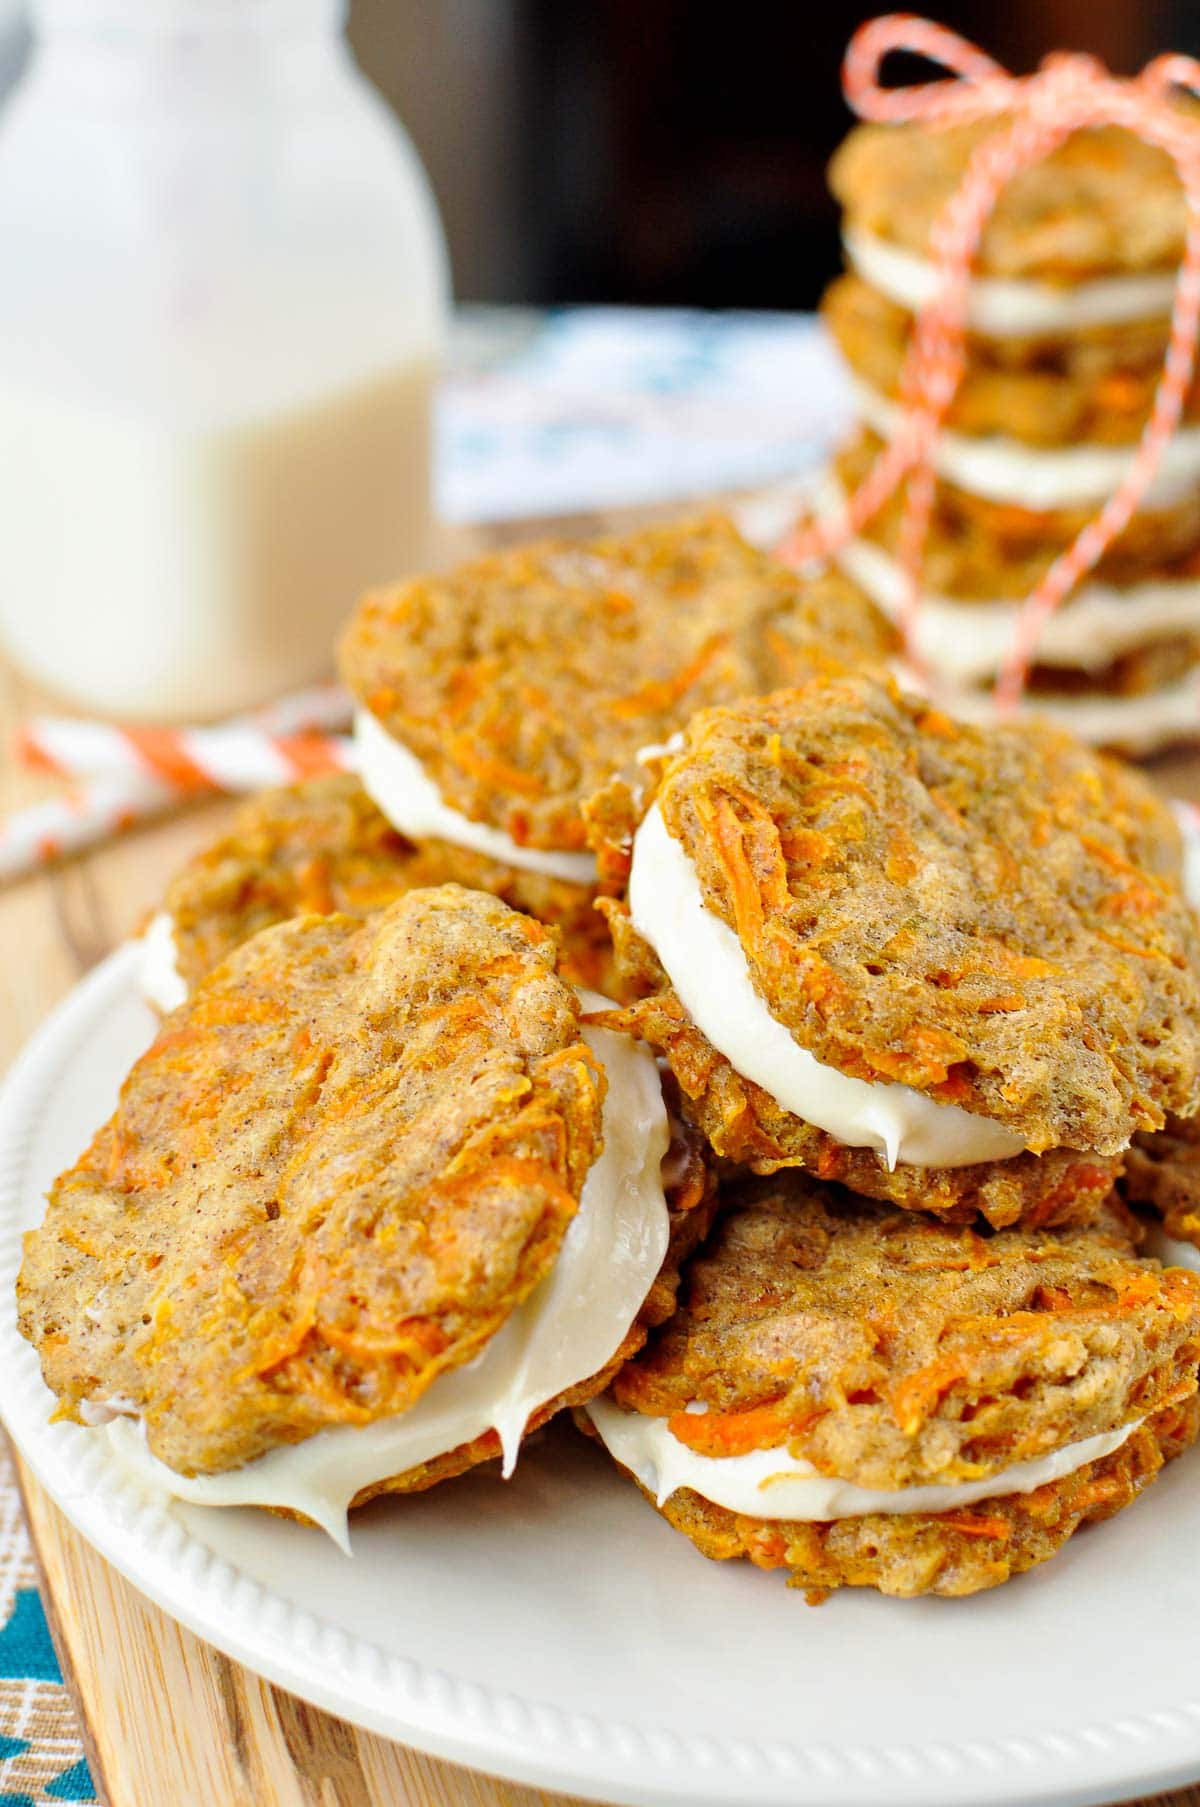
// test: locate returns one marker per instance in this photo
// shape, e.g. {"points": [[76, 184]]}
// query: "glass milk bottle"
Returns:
{"points": [[222, 291]]}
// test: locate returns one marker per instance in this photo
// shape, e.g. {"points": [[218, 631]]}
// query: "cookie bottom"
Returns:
{"points": [[949, 1553]]}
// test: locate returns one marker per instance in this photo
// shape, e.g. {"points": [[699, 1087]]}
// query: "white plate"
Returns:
{"points": [[556, 1631]]}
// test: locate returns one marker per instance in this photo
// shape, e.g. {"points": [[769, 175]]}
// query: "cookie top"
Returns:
{"points": [[521, 682], [1104, 203], [316, 847], [891, 1351], [321, 846], [337, 1170], [987, 916]]}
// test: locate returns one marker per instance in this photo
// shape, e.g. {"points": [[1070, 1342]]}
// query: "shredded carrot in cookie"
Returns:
{"points": [[737, 1433], [972, 1524], [663, 693], [493, 769]]}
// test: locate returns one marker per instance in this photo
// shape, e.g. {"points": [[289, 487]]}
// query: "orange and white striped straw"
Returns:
{"points": [[41, 833], [131, 774], [186, 761], [1067, 94]]}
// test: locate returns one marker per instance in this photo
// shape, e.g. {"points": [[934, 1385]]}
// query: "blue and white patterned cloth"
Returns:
{"points": [[599, 408], [41, 1758], [581, 409]]}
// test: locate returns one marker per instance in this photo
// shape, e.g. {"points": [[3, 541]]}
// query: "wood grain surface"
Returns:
{"points": [[168, 1721]]}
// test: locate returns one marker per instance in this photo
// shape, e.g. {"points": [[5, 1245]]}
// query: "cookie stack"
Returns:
{"points": [[812, 1221], [950, 969], [1067, 332]]}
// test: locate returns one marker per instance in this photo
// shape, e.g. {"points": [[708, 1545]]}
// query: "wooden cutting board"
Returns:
{"points": [[166, 1720]]}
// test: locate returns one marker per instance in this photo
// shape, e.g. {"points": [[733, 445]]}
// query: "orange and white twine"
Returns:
{"points": [[124, 775], [1067, 94]]}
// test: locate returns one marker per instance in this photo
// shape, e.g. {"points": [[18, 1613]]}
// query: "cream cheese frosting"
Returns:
{"points": [[1006, 470], [567, 1330], [771, 1484], [1001, 307], [159, 978], [399, 785], [705, 963]]}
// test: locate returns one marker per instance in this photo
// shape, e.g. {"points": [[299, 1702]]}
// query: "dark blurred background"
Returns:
{"points": [[667, 151]]}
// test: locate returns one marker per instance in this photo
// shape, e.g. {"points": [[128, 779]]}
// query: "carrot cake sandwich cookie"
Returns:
{"points": [[1068, 325], [371, 1206], [864, 1397], [316, 847], [494, 700], [948, 966]]}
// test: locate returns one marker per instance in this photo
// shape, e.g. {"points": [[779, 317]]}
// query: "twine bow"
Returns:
{"points": [[1065, 95]]}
